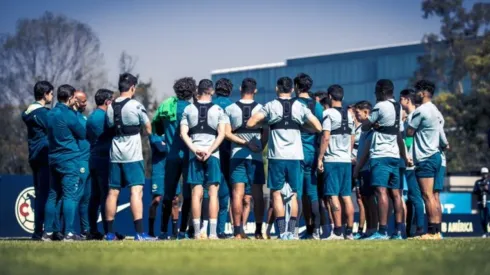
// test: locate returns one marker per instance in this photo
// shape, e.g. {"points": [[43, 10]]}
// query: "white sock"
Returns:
{"points": [[204, 228], [213, 225], [296, 231], [197, 225]]}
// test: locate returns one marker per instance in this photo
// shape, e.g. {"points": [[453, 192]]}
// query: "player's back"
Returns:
{"points": [[427, 125], [175, 144], [384, 143], [340, 145], [309, 136]]}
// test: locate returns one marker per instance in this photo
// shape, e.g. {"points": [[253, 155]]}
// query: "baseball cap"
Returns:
{"points": [[484, 170]]}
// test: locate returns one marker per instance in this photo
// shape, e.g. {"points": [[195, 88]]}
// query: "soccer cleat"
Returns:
{"points": [[349, 237], [428, 236], [333, 237], [95, 236], [267, 236], [377, 236], [143, 237], [396, 236], [316, 236], [286, 236], [84, 236], [70, 237], [244, 236], [47, 237], [162, 237], [358, 236], [120, 236], [259, 236], [213, 237], [222, 236], [111, 237], [182, 236], [37, 237]]}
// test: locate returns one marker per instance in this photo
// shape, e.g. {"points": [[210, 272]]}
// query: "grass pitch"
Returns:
{"points": [[450, 256]]}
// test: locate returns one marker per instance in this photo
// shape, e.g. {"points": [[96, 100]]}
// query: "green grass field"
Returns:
{"points": [[450, 256]]}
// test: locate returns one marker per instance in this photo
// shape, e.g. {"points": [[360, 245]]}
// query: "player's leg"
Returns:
{"points": [[213, 180], [345, 193], [195, 178], [224, 199], [41, 189], [415, 199], [395, 187], [257, 177], [175, 217], [70, 171], [362, 213], [83, 207], [270, 218], [276, 180], [152, 213], [186, 210], [426, 174], [95, 204], [312, 209], [332, 181], [52, 205], [380, 176], [294, 177], [247, 206], [157, 189]]}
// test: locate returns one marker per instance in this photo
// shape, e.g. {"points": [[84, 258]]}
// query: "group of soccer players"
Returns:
{"points": [[207, 150]]}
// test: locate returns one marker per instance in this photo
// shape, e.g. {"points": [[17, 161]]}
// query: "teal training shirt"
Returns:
{"points": [[36, 120], [225, 147], [175, 144], [309, 139], [64, 131], [83, 144], [99, 135]]}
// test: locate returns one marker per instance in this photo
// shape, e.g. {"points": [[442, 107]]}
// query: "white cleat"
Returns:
{"points": [[349, 237], [333, 237]]}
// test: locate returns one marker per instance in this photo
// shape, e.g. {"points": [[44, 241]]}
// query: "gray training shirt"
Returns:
{"points": [[384, 145], [234, 114], [285, 144], [215, 117], [340, 146], [426, 122], [127, 148]]}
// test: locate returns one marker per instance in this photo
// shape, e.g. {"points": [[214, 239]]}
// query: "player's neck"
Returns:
{"points": [[411, 108], [125, 95], [41, 102], [304, 95], [336, 104], [426, 100], [204, 97], [247, 97], [102, 107], [284, 95]]}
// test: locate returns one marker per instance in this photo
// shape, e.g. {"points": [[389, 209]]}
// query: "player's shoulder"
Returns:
{"points": [[216, 108]]}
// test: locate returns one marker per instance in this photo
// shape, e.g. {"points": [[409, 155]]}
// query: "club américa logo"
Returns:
{"points": [[24, 209]]}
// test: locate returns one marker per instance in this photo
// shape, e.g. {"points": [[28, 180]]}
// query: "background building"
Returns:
{"points": [[357, 71]]}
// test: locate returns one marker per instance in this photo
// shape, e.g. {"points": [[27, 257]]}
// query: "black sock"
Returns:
{"points": [[258, 228], [138, 225], [348, 230], [292, 224], [151, 226], [175, 229], [309, 229], [281, 224], [398, 227], [166, 211], [360, 230], [237, 230], [338, 231], [438, 227], [110, 226], [382, 229], [431, 228]]}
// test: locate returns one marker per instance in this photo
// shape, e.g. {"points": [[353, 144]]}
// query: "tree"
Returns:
{"points": [[53, 48], [460, 34]]}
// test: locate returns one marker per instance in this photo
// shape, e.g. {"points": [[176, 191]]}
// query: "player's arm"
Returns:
{"points": [[78, 130], [232, 137], [323, 148], [402, 149], [184, 134], [314, 122], [443, 142], [414, 123], [256, 119], [364, 158], [372, 119], [264, 137], [217, 142]]}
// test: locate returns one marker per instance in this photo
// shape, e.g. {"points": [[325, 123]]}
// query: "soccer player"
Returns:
{"points": [[100, 137], [158, 157], [247, 167], [386, 148], [309, 139], [285, 116], [127, 169], [415, 204], [362, 171], [441, 175], [334, 159], [223, 89], [203, 129], [84, 187], [36, 120], [355, 186], [167, 119], [64, 131], [481, 191], [425, 127]]}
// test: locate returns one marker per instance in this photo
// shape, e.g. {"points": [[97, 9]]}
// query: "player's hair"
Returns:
{"points": [[321, 94], [65, 92], [325, 102], [304, 82], [284, 85], [223, 87], [204, 86], [249, 85], [336, 92], [363, 105], [425, 85], [408, 94], [185, 88], [102, 95], [41, 88], [126, 81], [385, 86]]}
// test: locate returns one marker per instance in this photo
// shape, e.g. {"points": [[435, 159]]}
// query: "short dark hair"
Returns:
{"points": [[321, 94], [41, 88], [385, 86], [249, 85], [409, 94], [363, 105], [304, 82], [185, 88], [284, 85], [204, 86], [325, 101], [425, 85], [65, 92], [336, 92], [102, 95], [126, 81], [223, 87]]}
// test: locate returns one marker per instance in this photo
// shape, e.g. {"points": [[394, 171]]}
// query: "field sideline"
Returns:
{"points": [[450, 256]]}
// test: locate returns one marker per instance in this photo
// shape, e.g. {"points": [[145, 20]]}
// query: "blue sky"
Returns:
{"points": [[179, 38]]}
